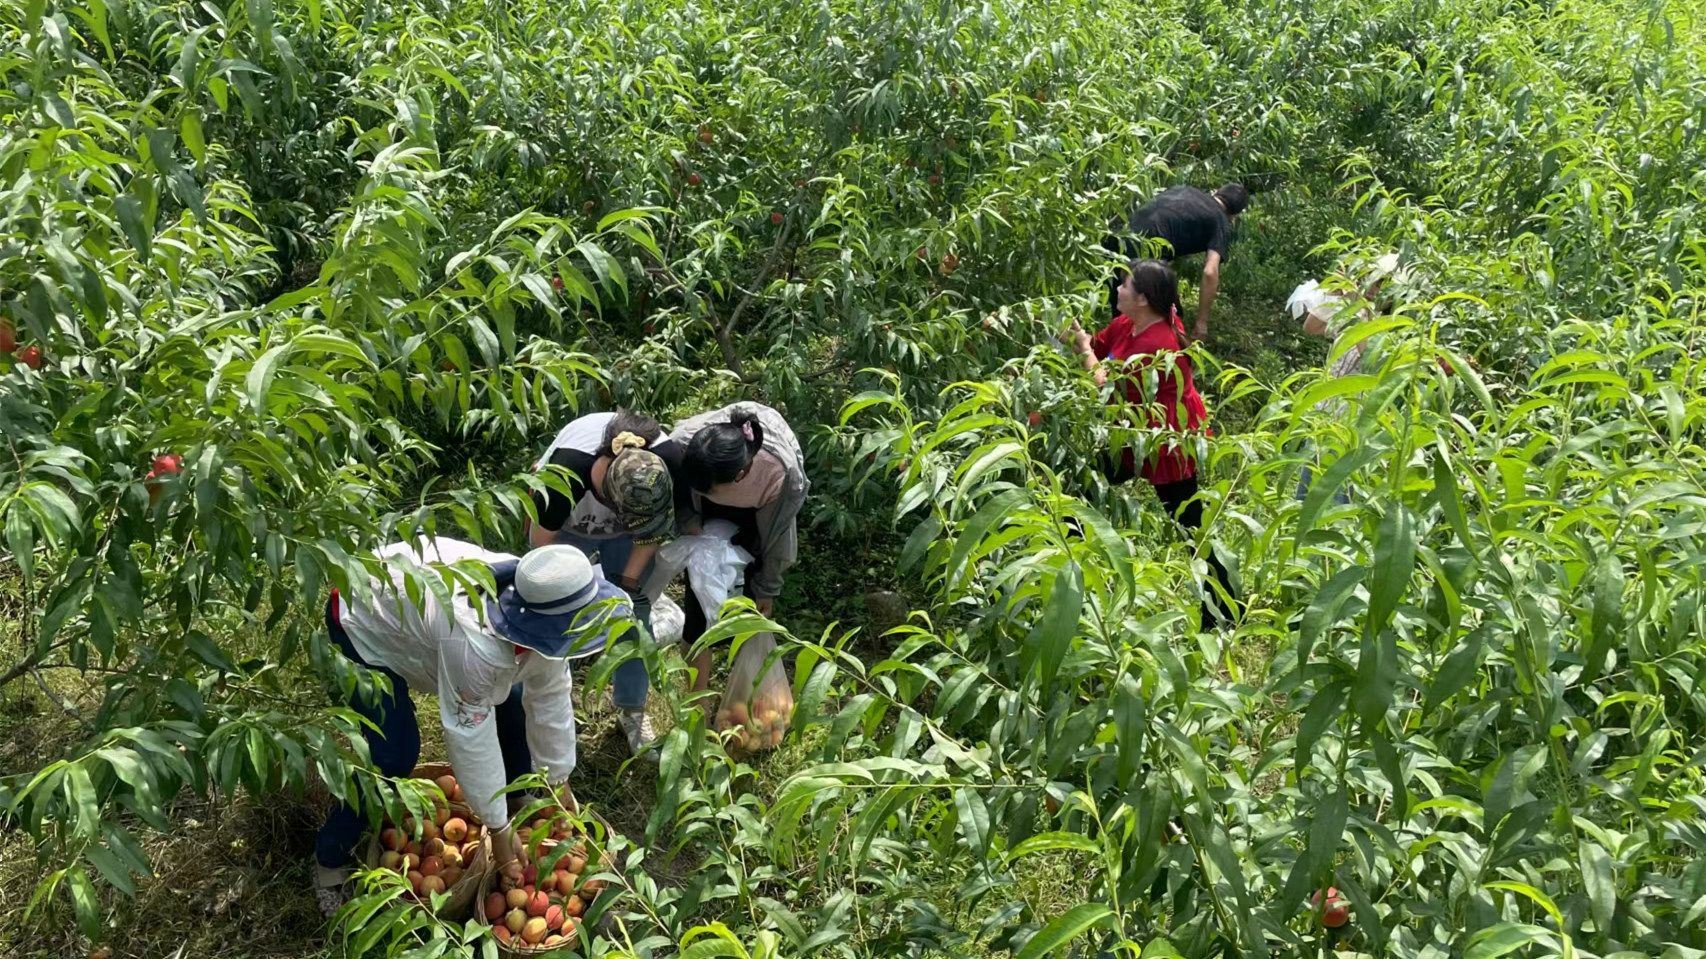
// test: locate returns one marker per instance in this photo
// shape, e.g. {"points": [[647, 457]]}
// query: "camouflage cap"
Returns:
{"points": [[638, 486]]}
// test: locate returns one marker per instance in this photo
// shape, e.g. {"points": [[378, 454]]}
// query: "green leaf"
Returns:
{"points": [[1394, 562], [974, 821], [1051, 637], [1323, 610], [1601, 887], [1327, 484], [261, 375], [1064, 928], [84, 903], [1457, 670], [1326, 830], [189, 128], [1052, 842], [1533, 894], [131, 221], [1503, 939], [110, 868]]}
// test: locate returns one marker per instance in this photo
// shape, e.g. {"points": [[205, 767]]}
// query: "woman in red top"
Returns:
{"points": [[1147, 339]]}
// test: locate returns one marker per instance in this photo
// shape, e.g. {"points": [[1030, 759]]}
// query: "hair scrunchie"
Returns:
{"points": [[746, 430], [626, 440]]}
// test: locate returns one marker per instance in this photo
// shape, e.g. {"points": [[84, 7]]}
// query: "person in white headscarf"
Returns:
{"points": [[1329, 310]]}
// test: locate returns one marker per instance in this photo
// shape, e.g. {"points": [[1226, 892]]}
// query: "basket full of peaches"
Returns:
{"points": [[448, 852], [537, 903]]}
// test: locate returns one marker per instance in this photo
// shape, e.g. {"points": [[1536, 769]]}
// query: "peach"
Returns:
{"points": [[469, 848], [515, 919], [429, 832], [446, 784], [534, 931], [455, 830], [516, 898], [412, 848], [502, 933], [451, 875], [495, 907], [415, 880], [391, 839], [432, 847], [553, 940], [456, 794], [452, 856], [390, 859], [410, 863], [554, 918], [573, 907], [440, 815], [537, 904], [529, 874], [431, 885]]}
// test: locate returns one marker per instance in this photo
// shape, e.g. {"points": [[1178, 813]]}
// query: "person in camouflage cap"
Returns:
{"points": [[638, 486], [619, 506]]}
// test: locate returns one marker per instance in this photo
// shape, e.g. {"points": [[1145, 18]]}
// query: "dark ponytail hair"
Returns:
{"points": [[1159, 285], [720, 452], [628, 421]]}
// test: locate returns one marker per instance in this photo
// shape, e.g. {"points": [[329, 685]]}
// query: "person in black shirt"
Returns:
{"points": [[1191, 221], [625, 489]]}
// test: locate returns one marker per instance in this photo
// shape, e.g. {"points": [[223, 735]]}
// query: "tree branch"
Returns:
{"points": [[725, 333]]}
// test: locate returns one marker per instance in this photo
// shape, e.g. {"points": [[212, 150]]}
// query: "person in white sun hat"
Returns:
{"points": [[499, 663]]}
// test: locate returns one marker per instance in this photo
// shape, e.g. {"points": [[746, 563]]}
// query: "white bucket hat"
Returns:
{"points": [[538, 608]]}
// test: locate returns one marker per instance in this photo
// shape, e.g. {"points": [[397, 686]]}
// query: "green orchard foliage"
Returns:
{"points": [[353, 262]]}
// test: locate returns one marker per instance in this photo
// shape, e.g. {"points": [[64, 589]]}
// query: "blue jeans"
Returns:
{"points": [[1307, 479], [396, 747], [630, 685]]}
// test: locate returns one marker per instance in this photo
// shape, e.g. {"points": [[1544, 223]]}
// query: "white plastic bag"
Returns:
{"points": [[1307, 297], [668, 621], [716, 565]]}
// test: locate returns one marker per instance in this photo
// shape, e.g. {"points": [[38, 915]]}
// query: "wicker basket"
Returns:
{"points": [[468, 889], [515, 947]]}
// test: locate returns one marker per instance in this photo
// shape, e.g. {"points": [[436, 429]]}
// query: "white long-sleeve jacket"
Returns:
{"points": [[453, 652]]}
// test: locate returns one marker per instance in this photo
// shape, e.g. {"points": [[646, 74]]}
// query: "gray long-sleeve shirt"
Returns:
{"points": [[777, 519]]}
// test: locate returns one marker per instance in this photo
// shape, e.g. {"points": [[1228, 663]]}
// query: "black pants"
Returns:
{"points": [[695, 618], [1179, 500]]}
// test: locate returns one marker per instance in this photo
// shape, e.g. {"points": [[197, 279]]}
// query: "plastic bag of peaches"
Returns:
{"points": [[538, 904], [758, 702], [448, 852]]}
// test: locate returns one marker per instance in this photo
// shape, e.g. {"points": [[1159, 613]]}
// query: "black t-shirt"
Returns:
{"points": [[1192, 220], [554, 508]]}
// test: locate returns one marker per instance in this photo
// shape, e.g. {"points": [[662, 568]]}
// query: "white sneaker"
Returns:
{"points": [[331, 889], [638, 728]]}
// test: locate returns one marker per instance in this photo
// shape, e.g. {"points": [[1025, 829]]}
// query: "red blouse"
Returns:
{"points": [[1176, 389]]}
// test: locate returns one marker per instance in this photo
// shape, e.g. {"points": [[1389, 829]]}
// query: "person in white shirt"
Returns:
{"points": [[500, 666]]}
